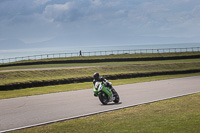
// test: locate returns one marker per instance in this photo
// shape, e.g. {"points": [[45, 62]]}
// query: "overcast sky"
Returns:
{"points": [[86, 22]]}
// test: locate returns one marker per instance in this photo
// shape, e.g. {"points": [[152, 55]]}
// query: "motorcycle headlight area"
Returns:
{"points": [[100, 88], [97, 85]]}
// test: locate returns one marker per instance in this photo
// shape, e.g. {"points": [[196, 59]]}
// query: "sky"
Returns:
{"points": [[37, 23]]}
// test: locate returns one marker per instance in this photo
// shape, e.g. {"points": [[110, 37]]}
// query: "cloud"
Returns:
{"points": [[96, 2], [57, 12], [32, 20], [69, 11], [41, 2], [89, 10]]}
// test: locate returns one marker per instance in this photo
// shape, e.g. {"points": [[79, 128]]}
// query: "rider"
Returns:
{"points": [[98, 78]]}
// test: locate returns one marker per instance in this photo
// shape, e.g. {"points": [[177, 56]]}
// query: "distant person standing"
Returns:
{"points": [[80, 53]]}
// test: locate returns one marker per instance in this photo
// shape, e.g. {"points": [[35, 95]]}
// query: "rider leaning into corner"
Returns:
{"points": [[98, 78]]}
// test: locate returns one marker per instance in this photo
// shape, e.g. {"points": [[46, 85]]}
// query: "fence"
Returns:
{"points": [[95, 53]]}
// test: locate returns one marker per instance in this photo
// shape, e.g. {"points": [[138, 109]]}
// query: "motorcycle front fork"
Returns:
{"points": [[112, 98]]}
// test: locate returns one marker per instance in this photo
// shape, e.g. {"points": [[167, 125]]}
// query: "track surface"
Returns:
{"points": [[32, 110]]}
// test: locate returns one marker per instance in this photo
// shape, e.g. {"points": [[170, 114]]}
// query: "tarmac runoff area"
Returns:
{"points": [[23, 112]]}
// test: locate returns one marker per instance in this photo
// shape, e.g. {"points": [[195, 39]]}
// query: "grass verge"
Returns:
{"points": [[173, 115], [18, 77], [79, 86], [17, 68]]}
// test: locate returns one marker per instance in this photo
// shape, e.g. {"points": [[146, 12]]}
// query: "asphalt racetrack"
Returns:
{"points": [[17, 113]]}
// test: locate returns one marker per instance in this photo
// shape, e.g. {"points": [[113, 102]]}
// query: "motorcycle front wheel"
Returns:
{"points": [[103, 98], [116, 96]]}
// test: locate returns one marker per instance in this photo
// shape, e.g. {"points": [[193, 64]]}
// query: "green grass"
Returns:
{"points": [[9, 77], [79, 86], [180, 115], [99, 64]]}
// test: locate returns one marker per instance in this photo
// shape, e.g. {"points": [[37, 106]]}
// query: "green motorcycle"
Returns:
{"points": [[105, 94]]}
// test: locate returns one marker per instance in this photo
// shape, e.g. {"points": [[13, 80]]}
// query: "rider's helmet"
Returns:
{"points": [[96, 76]]}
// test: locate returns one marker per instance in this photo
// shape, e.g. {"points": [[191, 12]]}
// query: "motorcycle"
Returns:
{"points": [[105, 94]]}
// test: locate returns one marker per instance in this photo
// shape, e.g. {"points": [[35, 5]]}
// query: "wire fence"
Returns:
{"points": [[97, 53]]}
